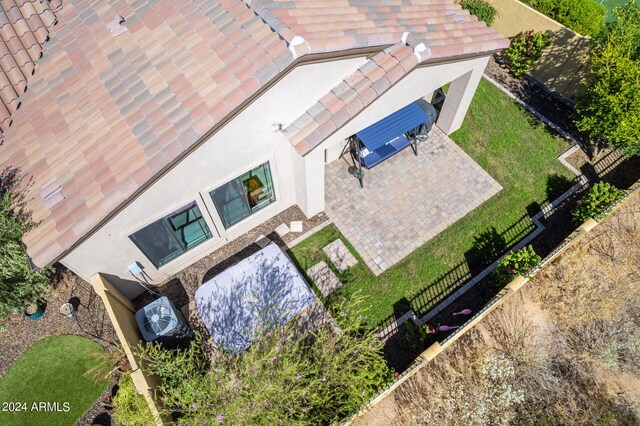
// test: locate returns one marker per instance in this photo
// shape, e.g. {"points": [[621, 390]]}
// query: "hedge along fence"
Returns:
{"points": [[122, 315], [564, 63], [509, 290]]}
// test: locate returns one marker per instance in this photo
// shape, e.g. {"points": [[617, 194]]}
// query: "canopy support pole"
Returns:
{"points": [[359, 173], [353, 146], [413, 140]]}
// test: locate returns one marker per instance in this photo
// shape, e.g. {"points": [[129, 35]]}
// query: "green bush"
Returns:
{"points": [[20, 285], [482, 9], [418, 337], [131, 409], [516, 263], [586, 17], [595, 201], [525, 48], [609, 111], [280, 379]]}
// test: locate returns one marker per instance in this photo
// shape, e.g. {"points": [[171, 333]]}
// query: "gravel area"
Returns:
{"points": [[91, 321], [97, 415], [181, 287]]}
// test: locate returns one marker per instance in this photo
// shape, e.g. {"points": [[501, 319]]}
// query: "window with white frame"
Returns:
{"points": [[241, 197], [173, 235]]}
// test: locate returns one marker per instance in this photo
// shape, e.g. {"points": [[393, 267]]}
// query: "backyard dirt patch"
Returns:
{"points": [[553, 106]]}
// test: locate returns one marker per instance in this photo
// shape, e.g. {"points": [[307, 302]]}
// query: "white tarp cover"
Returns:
{"points": [[248, 299]]}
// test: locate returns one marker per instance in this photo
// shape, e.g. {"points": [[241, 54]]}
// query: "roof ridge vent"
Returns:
{"points": [[51, 193], [54, 5], [299, 46], [116, 25], [420, 50]]}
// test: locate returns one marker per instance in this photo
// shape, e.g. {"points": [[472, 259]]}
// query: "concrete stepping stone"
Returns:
{"points": [[282, 230], [263, 241], [296, 226], [324, 278], [340, 255]]}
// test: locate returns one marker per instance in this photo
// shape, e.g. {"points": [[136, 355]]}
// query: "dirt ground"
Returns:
{"points": [[591, 282]]}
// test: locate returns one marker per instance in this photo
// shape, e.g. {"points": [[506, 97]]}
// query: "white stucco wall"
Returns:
{"points": [[249, 140], [252, 138], [420, 82]]}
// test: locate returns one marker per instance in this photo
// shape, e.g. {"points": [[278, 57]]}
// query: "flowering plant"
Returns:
{"points": [[525, 48], [319, 377]]}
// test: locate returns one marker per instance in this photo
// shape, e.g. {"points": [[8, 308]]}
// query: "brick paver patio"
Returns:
{"points": [[406, 200], [340, 255], [324, 278]]}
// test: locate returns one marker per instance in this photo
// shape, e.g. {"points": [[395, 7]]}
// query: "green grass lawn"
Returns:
{"points": [[518, 152], [52, 370]]}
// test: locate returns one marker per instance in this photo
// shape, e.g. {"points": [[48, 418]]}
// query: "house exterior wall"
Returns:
{"points": [[250, 139], [421, 82]]}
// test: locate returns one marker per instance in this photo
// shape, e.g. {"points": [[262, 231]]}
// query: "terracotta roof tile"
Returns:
{"points": [[151, 78], [347, 99], [176, 69]]}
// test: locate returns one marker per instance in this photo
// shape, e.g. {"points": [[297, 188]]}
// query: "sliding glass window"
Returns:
{"points": [[244, 195], [173, 235]]}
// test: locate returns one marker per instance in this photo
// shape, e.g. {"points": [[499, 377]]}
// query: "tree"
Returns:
{"points": [[20, 285], [583, 16], [318, 378], [482, 9], [609, 112]]}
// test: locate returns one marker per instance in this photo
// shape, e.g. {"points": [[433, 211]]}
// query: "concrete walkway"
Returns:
{"points": [[406, 200]]}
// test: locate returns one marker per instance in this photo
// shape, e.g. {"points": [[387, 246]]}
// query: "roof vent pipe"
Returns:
{"points": [[116, 26]]}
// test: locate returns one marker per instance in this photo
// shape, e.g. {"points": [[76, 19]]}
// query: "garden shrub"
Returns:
{"points": [[482, 9], [595, 201], [525, 48], [418, 337], [609, 111], [131, 409], [586, 17], [20, 285], [280, 379], [516, 263]]}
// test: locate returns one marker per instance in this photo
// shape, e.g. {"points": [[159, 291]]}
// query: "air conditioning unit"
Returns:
{"points": [[160, 321]]}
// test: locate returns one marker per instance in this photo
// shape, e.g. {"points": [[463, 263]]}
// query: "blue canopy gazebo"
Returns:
{"points": [[392, 134]]}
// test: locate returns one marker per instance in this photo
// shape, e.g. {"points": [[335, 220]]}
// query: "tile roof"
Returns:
{"points": [[127, 86], [24, 29], [104, 114], [350, 97], [330, 25]]}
